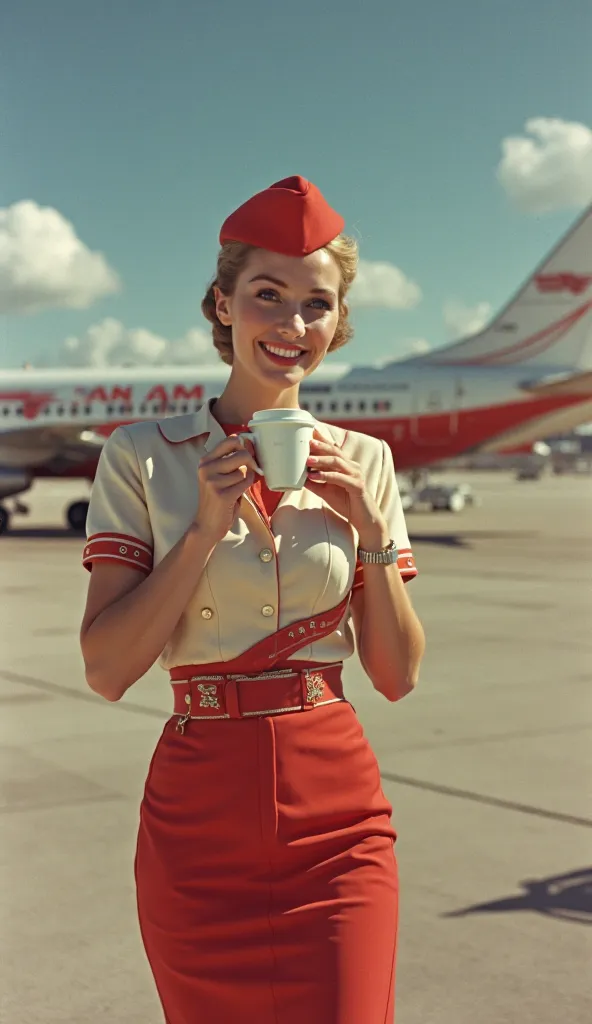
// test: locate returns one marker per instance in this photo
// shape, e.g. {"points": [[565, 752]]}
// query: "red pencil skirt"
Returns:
{"points": [[265, 870]]}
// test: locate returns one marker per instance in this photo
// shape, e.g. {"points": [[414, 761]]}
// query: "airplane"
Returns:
{"points": [[525, 376]]}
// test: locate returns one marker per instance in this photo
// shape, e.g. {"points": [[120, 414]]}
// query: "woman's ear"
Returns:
{"points": [[222, 307]]}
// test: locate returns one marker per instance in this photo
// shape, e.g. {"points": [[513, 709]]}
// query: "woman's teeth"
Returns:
{"points": [[283, 353]]}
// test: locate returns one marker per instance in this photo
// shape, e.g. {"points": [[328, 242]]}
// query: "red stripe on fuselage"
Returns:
{"points": [[419, 441]]}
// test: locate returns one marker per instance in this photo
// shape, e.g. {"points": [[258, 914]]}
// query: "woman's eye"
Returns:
{"points": [[270, 294]]}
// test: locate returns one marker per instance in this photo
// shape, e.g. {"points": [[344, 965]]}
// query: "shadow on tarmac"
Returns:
{"points": [[567, 897], [465, 539]]}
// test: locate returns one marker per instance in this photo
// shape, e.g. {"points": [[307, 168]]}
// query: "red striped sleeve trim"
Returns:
{"points": [[406, 563], [117, 547]]}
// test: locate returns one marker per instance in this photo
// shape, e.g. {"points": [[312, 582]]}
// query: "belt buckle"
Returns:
{"points": [[220, 694], [209, 695], [315, 686]]}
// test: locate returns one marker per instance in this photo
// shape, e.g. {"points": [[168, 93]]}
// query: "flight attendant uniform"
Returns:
{"points": [[265, 870]]}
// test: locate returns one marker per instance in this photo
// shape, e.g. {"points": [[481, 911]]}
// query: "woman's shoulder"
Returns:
{"points": [[130, 449], [144, 434]]}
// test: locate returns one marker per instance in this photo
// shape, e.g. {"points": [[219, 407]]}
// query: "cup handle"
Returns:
{"points": [[246, 435]]}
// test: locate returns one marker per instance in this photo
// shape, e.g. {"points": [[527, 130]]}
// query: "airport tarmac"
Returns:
{"points": [[488, 766]]}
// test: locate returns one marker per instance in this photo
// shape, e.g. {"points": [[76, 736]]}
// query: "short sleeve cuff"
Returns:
{"points": [[406, 563], [120, 548]]}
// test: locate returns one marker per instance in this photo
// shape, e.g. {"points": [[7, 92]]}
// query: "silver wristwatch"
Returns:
{"points": [[386, 556]]}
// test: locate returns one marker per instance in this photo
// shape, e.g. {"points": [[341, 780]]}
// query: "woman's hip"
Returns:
{"points": [[295, 780]]}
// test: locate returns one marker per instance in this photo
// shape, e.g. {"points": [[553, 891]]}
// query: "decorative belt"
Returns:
{"points": [[245, 696]]}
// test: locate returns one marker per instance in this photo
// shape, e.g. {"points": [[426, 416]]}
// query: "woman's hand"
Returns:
{"points": [[224, 475], [340, 482]]}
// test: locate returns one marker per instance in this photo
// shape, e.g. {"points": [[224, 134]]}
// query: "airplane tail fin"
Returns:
{"points": [[547, 323]]}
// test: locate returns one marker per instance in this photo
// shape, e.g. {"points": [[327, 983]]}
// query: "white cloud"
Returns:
{"points": [[110, 343], [462, 321], [419, 346], [408, 347], [44, 265], [552, 169], [383, 285]]}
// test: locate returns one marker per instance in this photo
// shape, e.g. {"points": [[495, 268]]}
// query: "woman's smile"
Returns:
{"points": [[282, 355]]}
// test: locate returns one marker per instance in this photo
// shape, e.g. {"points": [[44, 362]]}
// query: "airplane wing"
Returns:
{"points": [[57, 447]]}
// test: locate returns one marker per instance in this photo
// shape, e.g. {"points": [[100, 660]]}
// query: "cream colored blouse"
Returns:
{"points": [[262, 575]]}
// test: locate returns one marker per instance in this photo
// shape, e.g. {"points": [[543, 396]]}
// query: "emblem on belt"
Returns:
{"points": [[209, 697], [315, 686]]}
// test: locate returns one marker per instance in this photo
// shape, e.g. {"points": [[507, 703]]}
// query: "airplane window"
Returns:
{"points": [[5, 411], [334, 406], [347, 406], [382, 406], [143, 408], [319, 406], [362, 406], [305, 406], [74, 410], [156, 409], [109, 410], [172, 407], [60, 410], [87, 410]]}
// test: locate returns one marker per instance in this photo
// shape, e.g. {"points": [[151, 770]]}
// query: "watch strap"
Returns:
{"points": [[386, 556]]}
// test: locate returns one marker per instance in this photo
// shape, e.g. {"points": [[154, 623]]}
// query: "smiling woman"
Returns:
{"points": [[235, 257], [266, 877], [290, 352]]}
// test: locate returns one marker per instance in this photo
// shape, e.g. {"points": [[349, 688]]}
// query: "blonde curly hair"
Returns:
{"points": [[232, 260]]}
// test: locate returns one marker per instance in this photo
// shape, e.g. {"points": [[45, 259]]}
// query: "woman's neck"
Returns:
{"points": [[237, 403]]}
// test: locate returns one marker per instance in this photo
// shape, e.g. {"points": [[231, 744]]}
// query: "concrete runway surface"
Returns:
{"points": [[488, 766]]}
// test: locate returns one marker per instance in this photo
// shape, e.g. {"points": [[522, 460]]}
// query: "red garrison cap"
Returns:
{"points": [[291, 217]]}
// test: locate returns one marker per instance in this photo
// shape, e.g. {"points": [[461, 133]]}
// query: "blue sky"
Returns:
{"points": [[143, 124]]}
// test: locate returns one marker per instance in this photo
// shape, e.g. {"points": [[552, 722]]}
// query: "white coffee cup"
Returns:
{"points": [[282, 445]]}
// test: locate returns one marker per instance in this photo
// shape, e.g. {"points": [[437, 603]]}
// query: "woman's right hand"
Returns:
{"points": [[224, 475]]}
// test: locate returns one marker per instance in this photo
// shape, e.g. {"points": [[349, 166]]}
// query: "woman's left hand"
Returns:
{"points": [[340, 482]]}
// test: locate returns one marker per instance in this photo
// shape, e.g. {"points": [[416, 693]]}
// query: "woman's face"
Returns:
{"points": [[283, 314]]}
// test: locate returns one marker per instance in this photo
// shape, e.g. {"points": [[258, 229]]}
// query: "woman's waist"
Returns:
{"points": [[243, 667], [211, 691]]}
